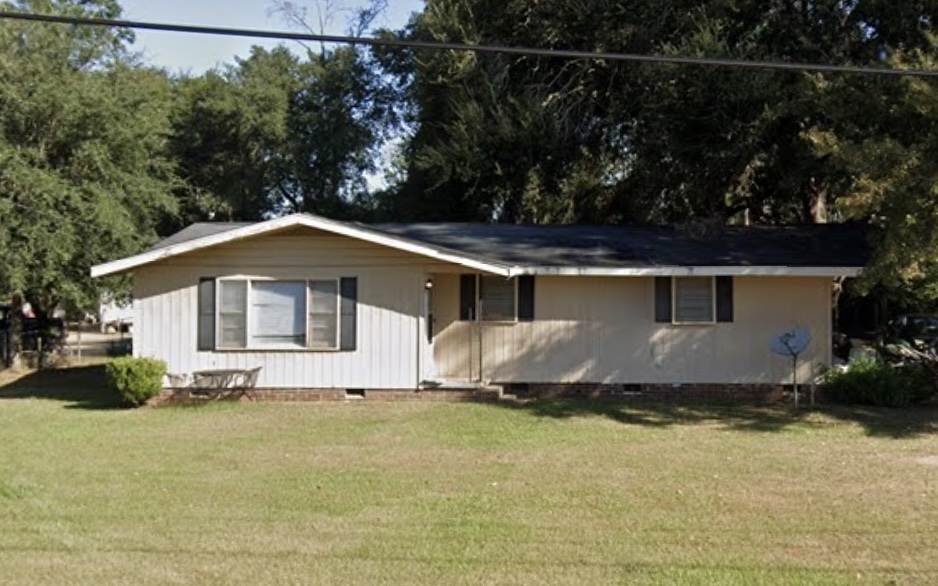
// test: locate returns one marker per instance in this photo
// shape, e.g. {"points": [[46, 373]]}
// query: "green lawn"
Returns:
{"points": [[371, 493]]}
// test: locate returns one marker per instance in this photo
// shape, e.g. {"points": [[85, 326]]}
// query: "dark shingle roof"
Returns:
{"points": [[823, 245], [827, 245], [198, 230]]}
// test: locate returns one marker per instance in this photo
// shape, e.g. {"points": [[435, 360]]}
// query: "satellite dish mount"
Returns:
{"points": [[792, 343]]}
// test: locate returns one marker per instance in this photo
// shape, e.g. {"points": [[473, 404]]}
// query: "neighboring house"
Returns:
{"points": [[115, 315], [323, 304]]}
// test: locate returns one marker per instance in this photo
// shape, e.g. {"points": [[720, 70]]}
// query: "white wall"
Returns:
{"points": [[602, 330], [390, 292], [596, 329]]}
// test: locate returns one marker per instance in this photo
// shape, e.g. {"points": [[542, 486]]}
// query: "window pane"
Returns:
{"points": [[497, 297], [278, 310], [323, 314], [693, 298], [232, 314]]}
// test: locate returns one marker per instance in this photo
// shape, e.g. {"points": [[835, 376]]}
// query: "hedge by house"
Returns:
{"points": [[870, 382], [136, 380]]}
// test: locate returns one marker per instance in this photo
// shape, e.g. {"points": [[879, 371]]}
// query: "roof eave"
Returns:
{"points": [[339, 228], [685, 271]]}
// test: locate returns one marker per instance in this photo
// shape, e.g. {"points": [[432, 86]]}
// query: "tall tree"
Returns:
{"points": [[228, 126], [885, 133], [660, 143], [276, 133], [520, 138], [84, 173], [336, 123]]}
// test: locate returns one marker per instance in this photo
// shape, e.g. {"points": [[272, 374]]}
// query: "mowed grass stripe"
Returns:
{"points": [[548, 493]]}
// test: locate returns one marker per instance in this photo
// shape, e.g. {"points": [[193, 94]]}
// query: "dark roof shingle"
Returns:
{"points": [[820, 245]]}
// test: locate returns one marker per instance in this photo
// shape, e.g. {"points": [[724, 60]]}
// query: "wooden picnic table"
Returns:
{"points": [[223, 382]]}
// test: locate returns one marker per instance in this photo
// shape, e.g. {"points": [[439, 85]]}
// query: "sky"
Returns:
{"points": [[197, 53]]}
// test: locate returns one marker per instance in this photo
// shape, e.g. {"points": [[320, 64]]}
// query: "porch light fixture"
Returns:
{"points": [[428, 285]]}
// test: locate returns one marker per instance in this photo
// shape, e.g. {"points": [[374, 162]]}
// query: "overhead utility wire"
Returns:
{"points": [[432, 45]]}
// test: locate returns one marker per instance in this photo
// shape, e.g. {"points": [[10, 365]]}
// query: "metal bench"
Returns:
{"points": [[217, 383]]}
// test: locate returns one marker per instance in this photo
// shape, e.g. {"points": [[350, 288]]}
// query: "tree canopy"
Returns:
{"points": [[100, 154], [276, 134], [541, 139], [84, 172], [630, 142]]}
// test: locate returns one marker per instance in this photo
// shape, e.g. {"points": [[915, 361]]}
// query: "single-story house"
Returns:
{"points": [[322, 304]]}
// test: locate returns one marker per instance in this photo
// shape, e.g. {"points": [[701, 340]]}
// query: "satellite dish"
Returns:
{"points": [[791, 344]]}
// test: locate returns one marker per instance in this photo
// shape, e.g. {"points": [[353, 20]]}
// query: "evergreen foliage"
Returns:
{"points": [[100, 155]]}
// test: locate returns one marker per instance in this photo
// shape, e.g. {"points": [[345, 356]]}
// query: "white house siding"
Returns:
{"points": [[390, 293], [602, 330]]}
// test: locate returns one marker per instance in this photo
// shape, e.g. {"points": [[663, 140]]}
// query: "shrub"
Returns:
{"points": [[869, 382], [136, 379]]}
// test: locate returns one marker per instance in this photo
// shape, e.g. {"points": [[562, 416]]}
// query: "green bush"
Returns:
{"points": [[136, 379], [869, 382]]}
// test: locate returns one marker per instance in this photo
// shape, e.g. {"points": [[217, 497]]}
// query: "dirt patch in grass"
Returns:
{"points": [[928, 460]]}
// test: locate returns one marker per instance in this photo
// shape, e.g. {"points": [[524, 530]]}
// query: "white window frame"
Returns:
{"points": [[249, 281], [713, 302], [480, 307]]}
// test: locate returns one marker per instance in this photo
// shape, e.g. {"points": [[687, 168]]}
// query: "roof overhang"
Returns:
{"points": [[451, 256], [682, 271], [356, 231]]}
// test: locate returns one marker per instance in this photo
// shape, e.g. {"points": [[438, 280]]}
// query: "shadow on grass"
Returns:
{"points": [[894, 423], [764, 418], [81, 387]]}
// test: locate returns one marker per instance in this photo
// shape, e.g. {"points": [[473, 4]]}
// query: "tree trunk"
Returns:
{"points": [[819, 204]]}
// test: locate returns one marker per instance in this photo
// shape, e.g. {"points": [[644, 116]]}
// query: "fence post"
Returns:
{"points": [[6, 347]]}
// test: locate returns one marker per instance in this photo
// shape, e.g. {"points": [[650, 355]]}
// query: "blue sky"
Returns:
{"points": [[197, 53]]}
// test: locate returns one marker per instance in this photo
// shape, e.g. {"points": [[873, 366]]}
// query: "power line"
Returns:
{"points": [[438, 46]]}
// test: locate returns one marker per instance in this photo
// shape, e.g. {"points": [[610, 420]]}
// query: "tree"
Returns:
{"points": [[336, 124], [84, 175], [498, 138], [228, 126], [276, 133], [647, 142], [885, 132]]}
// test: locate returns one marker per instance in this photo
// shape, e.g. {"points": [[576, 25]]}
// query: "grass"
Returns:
{"points": [[561, 492]]}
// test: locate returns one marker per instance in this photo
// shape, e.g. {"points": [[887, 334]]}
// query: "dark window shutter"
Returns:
{"points": [[526, 298], [663, 299], [348, 314], [206, 314], [467, 297], [725, 299]]}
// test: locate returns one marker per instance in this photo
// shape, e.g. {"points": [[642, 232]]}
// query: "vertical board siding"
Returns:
{"points": [[586, 329], [603, 330], [389, 288]]}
